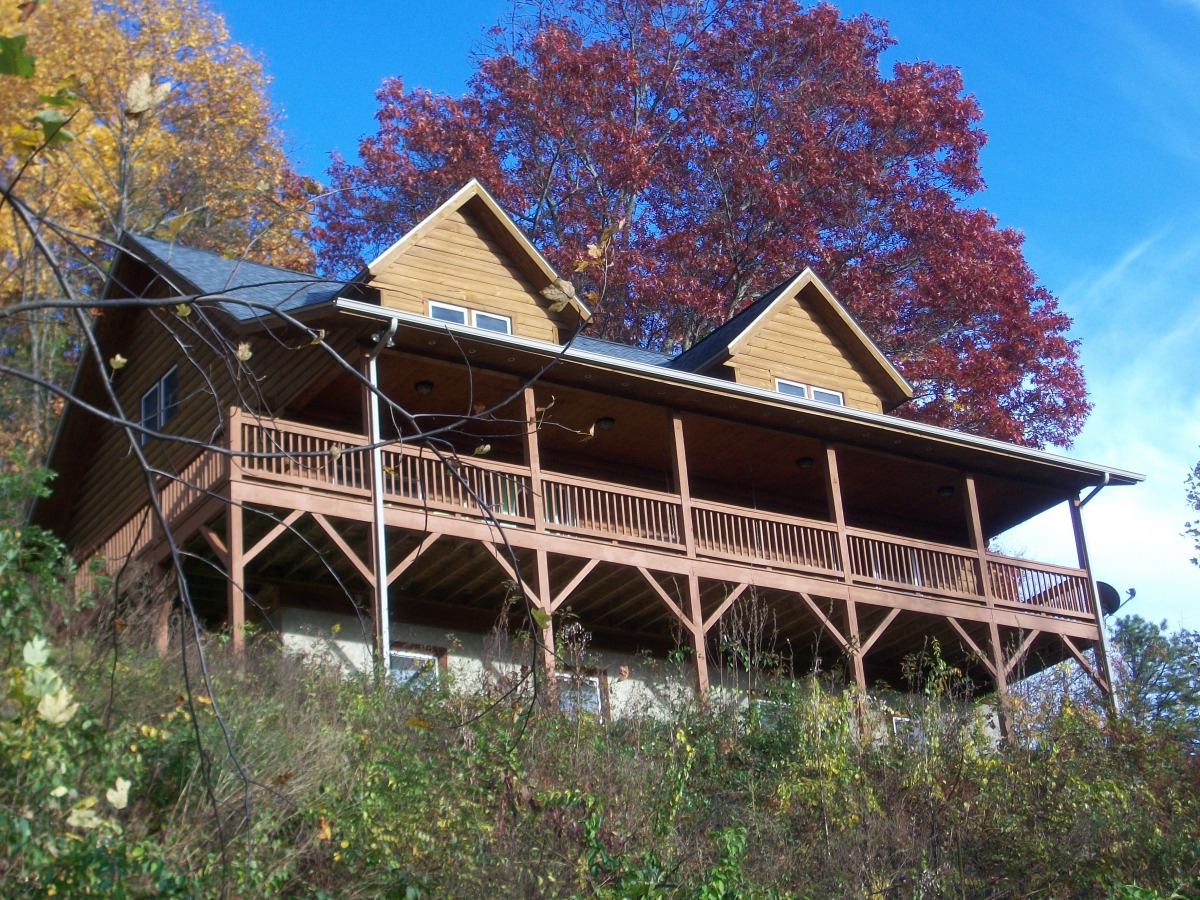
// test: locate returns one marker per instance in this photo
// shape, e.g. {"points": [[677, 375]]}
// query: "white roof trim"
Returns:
{"points": [[844, 413]]}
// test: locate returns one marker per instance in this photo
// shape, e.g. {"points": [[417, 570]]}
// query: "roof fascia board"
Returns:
{"points": [[745, 391], [474, 190], [860, 345]]}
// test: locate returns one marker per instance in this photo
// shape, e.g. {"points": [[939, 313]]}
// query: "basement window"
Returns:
{"points": [[827, 396], [160, 403], [490, 322], [581, 694], [414, 668], [447, 313], [795, 388]]}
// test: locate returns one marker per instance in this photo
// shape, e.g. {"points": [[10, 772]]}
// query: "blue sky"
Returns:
{"points": [[1093, 114]]}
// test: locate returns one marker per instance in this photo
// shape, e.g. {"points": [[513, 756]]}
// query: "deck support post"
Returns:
{"points": [[533, 459], [383, 632], [546, 605], [1103, 657], [679, 470], [979, 545], [833, 496], [235, 568], [236, 571]]}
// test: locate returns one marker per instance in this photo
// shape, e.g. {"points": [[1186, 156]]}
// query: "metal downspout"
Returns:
{"points": [[383, 635]]}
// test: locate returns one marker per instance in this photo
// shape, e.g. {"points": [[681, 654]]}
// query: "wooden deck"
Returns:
{"points": [[991, 601], [301, 455]]}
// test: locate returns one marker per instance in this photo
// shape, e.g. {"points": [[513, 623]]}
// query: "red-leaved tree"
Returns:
{"points": [[683, 156]]}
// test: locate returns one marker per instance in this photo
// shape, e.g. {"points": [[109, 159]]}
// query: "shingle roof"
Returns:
{"points": [[621, 351], [712, 345], [209, 273]]}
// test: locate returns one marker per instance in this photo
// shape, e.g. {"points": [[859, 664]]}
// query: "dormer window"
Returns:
{"points": [[160, 403], [791, 387], [810, 392], [459, 315], [447, 313]]}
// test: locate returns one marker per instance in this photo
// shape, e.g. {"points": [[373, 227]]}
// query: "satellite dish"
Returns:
{"points": [[1110, 600]]}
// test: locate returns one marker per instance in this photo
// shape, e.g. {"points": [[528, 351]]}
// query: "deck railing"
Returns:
{"points": [[1037, 584], [316, 457], [729, 532], [578, 506], [452, 485], [911, 564]]}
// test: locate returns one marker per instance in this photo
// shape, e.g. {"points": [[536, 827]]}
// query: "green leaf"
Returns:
{"points": [[13, 60], [61, 97], [540, 616]]}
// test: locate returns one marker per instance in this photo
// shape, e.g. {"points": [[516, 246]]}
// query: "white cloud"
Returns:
{"points": [[1140, 323]]}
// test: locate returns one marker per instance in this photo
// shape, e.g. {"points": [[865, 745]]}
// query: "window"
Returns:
{"points": [[824, 396], [489, 322], [160, 403], [414, 667], [791, 387], [447, 313], [580, 694]]}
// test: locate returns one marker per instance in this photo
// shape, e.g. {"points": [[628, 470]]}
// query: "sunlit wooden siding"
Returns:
{"points": [[459, 262]]}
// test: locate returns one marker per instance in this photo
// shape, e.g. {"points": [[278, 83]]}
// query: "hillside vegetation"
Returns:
{"points": [[314, 784]]}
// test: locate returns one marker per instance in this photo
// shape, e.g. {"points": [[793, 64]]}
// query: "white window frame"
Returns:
{"points": [[466, 313], [779, 382], [421, 675], [573, 682], [841, 398], [475, 314], [162, 414]]}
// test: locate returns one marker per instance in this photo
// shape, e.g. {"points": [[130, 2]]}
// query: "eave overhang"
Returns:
{"points": [[706, 395]]}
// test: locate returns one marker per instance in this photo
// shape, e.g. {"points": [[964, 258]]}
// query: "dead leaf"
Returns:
{"points": [[204, 699], [324, 831], [594, 252], [311, 186], [118, 362], [180, 700], [389, 470], [121, 626], [335, 453], [479, 407], [243, 351], [559, 306], [282, 779], [96, 311], [183, 310], [27, 9], [319, 336], [417, 722], [141, 97]]}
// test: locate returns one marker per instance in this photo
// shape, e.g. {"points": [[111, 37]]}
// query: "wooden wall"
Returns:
{"points": [[113, 487], [459, 262], [795, 344]]}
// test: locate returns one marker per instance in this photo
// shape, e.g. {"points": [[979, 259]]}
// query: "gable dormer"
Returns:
{"points": [[799, 340], [468, 263]]}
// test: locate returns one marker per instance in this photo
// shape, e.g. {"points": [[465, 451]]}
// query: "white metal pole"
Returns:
{"points": [[383, 634]]}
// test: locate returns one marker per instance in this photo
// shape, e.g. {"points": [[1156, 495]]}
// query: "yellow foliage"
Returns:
{"points": [[173, 133]]}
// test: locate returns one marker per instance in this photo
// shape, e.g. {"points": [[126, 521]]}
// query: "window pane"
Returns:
{"points": [[413, 668], [788, 387], [827, 396], [448, 313], [492, 323], [150, 411], [170, 395], [579, 694]]}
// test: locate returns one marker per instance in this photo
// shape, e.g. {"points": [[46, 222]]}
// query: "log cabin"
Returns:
{"points": [[635, 495]]}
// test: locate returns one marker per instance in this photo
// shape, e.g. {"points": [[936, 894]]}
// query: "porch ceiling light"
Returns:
{"points": [[423, 387], [605, 423], [946, 491], [805, 462]]}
